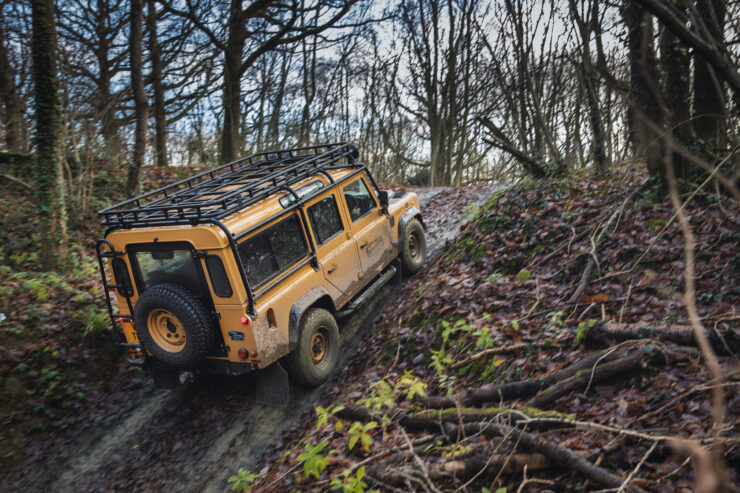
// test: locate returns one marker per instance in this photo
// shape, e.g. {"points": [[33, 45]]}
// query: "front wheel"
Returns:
{"points": [[317, 354], [414, 251]]}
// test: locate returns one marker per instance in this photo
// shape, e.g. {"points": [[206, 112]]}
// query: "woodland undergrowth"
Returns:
{"points": [[548, 347], [58, 357]]}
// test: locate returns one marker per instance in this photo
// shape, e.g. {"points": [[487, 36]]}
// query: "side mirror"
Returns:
{"points": [[384, 199]]}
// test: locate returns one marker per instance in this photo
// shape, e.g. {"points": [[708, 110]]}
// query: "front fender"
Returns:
{"points": [[299, 307], [404, 220]]}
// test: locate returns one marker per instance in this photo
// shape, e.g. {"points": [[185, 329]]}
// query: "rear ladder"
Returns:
{"points": [[103, 255]]}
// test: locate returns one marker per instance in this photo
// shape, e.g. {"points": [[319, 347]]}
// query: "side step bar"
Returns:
{"points": [[368, 293]]}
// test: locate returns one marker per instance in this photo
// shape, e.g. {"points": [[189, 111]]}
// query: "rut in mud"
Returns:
{"points": [[194, 438]]}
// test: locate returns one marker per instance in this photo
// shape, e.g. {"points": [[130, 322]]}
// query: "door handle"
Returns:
{"points": [[364, 244], [332, 269]]}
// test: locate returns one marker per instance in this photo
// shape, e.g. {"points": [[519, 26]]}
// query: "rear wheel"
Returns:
{"points": [[174, 325], [317, 354], [414, 251]]}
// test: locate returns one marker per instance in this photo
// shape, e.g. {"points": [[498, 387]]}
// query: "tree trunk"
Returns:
{"points": [[15, 108], [709, 94], [309, 91], [232, 83], [140, 99], [592, 97], [160, 117], [273, 126], [105, 101], [644, 111], [47, 167], [675, 62]]}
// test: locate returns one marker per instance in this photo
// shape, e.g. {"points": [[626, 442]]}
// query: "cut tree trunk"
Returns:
{"points": [[515, 390], [606, 334], [475, 465], [555, 454]]}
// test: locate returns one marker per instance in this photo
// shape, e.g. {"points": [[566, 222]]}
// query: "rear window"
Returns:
{"points": [[272, 251], [162, 264]]}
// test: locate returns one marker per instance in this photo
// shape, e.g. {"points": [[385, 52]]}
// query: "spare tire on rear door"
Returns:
{"points": [[173, 325]]}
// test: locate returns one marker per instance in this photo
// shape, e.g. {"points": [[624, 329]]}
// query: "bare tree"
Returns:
{"points": [[140, 98], [11, 99], [589, 24], [160, 116], [266, 25], [92, 33], [644, 110], [709, 93]]}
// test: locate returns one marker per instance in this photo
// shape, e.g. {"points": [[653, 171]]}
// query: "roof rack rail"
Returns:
{"points": [[222, 191]]}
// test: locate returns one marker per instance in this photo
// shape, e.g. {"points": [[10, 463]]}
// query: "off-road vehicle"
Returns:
{"points": [[251, 263]]}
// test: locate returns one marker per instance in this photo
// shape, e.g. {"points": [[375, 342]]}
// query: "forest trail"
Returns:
{"points": [[194, 438]]}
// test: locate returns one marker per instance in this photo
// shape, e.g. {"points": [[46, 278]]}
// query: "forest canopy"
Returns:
{"points": [[433, 92]]}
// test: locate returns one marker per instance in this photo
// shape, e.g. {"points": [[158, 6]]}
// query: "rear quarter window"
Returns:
{"points": [[273, 250], [217, 274]]}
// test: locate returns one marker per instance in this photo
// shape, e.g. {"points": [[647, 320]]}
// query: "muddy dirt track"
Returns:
{"points": [[194, 438]]}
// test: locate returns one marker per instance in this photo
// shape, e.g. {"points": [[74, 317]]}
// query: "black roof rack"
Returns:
{"points": [[220, 192]]}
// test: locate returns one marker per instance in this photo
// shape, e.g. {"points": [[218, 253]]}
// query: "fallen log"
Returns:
{"points": [[514, 390], [504, 463], [635, 360], [437, 418], [555, 454], [606, 334], [477, 464]]}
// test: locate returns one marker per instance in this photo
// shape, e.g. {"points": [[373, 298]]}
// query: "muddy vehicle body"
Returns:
{"points": [[251, 263]]}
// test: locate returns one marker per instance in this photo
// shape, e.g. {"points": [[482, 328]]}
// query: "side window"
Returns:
{"points": [[325, 219], [219, 279], [359, 200], [266, 254]]}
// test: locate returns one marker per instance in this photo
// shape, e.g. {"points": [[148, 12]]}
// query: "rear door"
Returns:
{"points": [[336, 251], [370, 227]]}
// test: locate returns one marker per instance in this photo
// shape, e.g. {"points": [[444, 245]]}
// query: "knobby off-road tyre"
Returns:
{"points": [[414, 252], [174, 325], [317, 353]]}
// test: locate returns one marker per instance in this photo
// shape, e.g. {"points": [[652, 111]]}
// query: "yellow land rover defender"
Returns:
{"points": [[251, 263]]}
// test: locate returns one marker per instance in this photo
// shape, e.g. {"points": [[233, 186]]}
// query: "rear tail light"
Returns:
{"points": [[242, 353]]}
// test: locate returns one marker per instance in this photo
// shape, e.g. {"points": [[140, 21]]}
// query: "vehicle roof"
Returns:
{"points": [[211, 236], [265, 209], [227, 192]]}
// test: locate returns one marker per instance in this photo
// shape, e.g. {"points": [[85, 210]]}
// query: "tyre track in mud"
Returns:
{"points": [[194, 438]]}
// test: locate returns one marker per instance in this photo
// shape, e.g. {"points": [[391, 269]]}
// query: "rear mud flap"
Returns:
{"points": [[272, 386]]}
